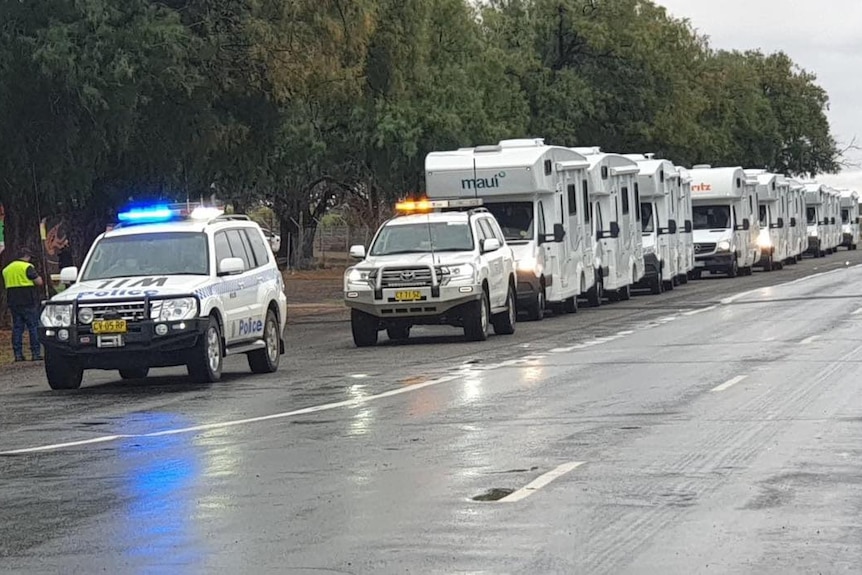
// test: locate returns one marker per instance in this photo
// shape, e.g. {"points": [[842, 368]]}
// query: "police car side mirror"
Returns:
{"points": [[357, 252], [69, 275], [490, 245], [231, 266]]}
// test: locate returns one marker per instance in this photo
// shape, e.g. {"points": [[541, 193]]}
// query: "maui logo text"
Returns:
{"points": [[483, 183]]}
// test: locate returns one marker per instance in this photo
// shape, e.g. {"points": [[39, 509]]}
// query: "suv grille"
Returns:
{"points": [[406, 277], [129, 311], [704, 248]]}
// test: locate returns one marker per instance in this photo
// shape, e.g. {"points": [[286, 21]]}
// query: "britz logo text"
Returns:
{"points": [[250, 326], [482, 183]]}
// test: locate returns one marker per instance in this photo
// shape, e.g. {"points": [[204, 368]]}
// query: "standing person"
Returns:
{"points": [[22, 296]]}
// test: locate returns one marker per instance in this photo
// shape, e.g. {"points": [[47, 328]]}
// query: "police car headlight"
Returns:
{"points": [[57, 315], [723, 246], [85, 315], [177, 309]]}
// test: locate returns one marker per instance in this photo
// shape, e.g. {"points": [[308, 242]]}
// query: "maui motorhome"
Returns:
{"points": [[537, 195], [817, 219], [849, 219], [798, 227], [615, 218], [772, 219], [659, 203], [832, 201], [686, 230], [725, 223]]}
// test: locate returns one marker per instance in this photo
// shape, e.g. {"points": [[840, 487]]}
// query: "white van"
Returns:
{"points": [[849, 219], [772, 219], [798, 227], [816, 217], [536, 193], [725, 223], [618, 251], [686, 232], [658, 191]]}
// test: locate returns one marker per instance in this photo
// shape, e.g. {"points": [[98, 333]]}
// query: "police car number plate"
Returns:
{"points": [[110, 326], [409, 295]]}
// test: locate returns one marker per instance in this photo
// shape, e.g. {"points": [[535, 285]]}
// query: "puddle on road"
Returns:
{"points": [[494, 494]]}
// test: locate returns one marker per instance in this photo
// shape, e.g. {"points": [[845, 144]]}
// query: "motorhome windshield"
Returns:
{"points": [[711, 217], [420, 238], [647, 218], [764, 216], [812, 215], [515, 218]]}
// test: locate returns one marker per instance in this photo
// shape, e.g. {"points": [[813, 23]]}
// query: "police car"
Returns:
{"points": [[168, 286]]}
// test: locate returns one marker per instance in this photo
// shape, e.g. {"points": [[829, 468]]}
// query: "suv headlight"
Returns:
{"points": [[57, 315], [177, 309], [459, 273], [354, 278], [723, 246]]}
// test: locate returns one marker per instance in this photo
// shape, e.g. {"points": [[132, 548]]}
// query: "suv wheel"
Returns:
{"points": [[504, 323], [205, 363], [62, 373], [476, 319], [266, 360], [364, 328], [399, 332], [135, 373]]}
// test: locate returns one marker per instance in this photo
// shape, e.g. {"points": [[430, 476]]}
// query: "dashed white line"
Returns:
{"points": [[857, 312], [808, 340], [698, 311], [729, 383], [540, 482], [55, 446]]}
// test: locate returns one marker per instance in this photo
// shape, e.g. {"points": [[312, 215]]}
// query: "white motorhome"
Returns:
{"points": [[725, 223], [798, 228], [832, 201], [849, 219], [536, 193], [772, 218], [686, 232], [618, 251], [816, 218], [659, 203]]}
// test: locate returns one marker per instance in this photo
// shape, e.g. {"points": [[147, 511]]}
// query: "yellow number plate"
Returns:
{"points": [[110, 326], [410, 295]]}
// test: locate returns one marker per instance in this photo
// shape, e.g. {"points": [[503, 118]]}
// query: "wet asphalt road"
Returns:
{"points": [[711, 429]]}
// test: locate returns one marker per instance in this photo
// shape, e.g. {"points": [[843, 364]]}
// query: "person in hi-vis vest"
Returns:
{"points": [[22, 297]]}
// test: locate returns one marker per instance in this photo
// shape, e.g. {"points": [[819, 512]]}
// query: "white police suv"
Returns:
{"points": [[168, 286]]}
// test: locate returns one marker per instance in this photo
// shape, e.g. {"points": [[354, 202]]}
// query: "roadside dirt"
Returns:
{"points": [[315, 296]]}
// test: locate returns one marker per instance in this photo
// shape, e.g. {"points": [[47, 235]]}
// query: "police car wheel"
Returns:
{"points": [[62, 373], [135, 373], [266, 360], [205, 364]]}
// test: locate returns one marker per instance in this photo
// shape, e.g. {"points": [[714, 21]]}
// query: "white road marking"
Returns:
{"points": [[808, 340], [625, 333], [541, 481], [857, 312], [55, 446], [729, 383], [359, 375], [698, 311]]}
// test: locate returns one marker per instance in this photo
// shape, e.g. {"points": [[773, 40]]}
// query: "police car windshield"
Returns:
{"points": [[163, 254], [423, 238]]}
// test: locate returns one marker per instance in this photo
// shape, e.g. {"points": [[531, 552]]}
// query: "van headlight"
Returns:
{"points": [[57, 315], [649, 250], [177, 309], [527, 264], [723, 246]]}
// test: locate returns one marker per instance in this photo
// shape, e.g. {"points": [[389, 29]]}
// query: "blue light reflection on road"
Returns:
{"points": [[159, 484]]}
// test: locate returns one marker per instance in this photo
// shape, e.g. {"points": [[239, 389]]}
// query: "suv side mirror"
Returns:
{"points": [[357, 252], [231, 266], [688, 226], [490, 245], [559, 233], [792, 222], [69, 275], [671, 227]]}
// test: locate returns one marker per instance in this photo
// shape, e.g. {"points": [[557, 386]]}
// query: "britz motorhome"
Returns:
{"points": [[725, 221], [798, 227], [658, 191], [615, 217], [849, 219], [535, 191], [772, 218], [817, 219], [832, 201]]}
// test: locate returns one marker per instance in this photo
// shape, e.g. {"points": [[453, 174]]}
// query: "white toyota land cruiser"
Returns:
{"points": [[433, 268], [167, 287]]}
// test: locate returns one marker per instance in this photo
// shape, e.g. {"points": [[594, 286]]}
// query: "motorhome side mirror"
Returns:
{"points": [[780, 223], [357, 252], [69, 275], [671, 227], [615, 230], [792, 222], [746, 224], [688, 226], [490, 245], [833, 221], [559, 233], [231, 266]]}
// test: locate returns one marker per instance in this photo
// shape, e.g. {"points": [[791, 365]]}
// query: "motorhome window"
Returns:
{"points": [[548, 167], [845, 216], [573, 200], [764, 216], [637, 201], [812, 215], [751, 204], [738, 183], [647, 218], [588, 213], [599, 222], [605, 172], [542, 227], [515, 219], [711, 217], [423, 237], [625, 193]]}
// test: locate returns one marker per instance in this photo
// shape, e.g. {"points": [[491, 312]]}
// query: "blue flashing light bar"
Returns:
{"points": [[147, 215]]}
